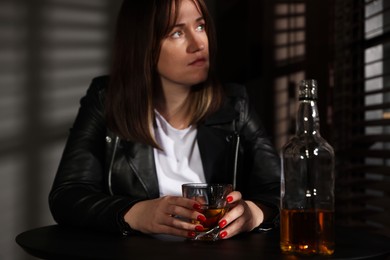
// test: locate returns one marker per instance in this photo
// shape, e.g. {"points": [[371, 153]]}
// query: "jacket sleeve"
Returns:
{"points": [[260, 163], [78, 196]]}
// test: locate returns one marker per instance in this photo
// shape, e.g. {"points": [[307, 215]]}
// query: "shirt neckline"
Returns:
{"points": [[168, 125]]}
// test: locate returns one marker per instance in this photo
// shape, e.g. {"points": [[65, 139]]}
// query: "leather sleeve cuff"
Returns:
{"points": [[268, 224], [124, 227]]}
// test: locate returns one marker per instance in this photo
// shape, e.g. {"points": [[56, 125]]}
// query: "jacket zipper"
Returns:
{"points": [[111, 164], [235, 165]]}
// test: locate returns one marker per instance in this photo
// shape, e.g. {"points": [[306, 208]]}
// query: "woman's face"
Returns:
{"points": [[184, 56]]}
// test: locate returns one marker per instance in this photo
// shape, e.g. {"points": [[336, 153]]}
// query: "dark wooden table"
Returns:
{"points": [[56, 242]]}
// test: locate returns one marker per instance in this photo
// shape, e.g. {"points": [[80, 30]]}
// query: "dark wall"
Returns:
{"points": [[242, 52]]}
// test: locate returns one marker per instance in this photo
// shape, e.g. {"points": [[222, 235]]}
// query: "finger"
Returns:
{"points": [[233, 197], [232, 215], [233, 222], [183, 202], [179, 223], [179, 227], [183, 207], [189, 215], [233, 229]]}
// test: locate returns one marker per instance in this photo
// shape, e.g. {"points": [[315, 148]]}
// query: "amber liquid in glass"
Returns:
{"points": [[213, 215], [307, 232]]}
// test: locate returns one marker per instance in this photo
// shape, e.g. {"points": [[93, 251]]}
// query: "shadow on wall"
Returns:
{"points": [[49, 52]]}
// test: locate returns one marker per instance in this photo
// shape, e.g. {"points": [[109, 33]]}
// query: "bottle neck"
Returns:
{"points": [[308, 120]]}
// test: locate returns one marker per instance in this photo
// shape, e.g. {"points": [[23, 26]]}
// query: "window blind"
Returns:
{"points": [[289, 54], [362, 102]]}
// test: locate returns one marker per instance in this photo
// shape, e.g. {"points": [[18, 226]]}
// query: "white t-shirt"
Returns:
{"points": [[179, 162]]}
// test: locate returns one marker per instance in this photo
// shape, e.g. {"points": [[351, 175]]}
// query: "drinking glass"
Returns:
{"points": [[213, 205]]}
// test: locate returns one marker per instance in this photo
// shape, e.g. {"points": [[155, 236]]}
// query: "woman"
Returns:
{"points": [[160, 120]]}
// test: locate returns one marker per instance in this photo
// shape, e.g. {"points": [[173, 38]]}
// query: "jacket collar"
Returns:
{"points": [[225, 114]]}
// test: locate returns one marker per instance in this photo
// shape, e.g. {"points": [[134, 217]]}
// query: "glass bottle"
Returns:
{"points": [[307, 183]]}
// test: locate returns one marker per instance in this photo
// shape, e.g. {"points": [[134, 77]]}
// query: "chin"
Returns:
{"points": [[201, 77], [199, 81]]}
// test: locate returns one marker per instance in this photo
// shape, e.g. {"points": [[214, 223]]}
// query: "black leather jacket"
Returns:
{"points": [[100, 176]]}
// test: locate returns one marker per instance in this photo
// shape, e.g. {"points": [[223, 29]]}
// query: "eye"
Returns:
{"points": [[176, 34], [201, 27]]}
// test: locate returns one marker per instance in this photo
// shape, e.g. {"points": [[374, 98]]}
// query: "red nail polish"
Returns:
{"points": [[196, 206], [223, 234], [222, 223], [201, 218], [199, 228], [229, 199], [191, 234]]}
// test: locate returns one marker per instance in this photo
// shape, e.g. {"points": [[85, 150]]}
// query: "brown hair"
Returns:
{"points": [[141, 26]]}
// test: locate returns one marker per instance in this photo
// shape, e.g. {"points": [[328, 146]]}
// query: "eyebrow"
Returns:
{"points": [[182, 24]]}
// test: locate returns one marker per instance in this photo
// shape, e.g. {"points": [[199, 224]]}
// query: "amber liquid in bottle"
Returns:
{"points": [[307, 232]]}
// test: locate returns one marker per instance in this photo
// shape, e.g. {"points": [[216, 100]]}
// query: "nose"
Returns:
{"points": [[196, 42]]}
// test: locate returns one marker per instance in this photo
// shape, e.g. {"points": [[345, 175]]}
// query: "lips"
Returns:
{"points": [[198, 62]]}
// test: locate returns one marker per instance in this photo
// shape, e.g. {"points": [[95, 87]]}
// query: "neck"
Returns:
{"points": [[308, 122], [172, 103]]}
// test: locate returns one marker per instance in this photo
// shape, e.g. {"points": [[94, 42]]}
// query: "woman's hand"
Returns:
{"points": [[243, 216], [157, 216]]}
